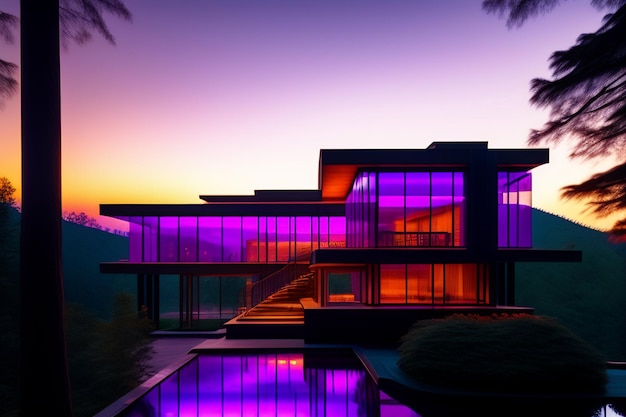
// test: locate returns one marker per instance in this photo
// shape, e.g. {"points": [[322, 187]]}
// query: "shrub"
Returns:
{"points": [[506, 353]]}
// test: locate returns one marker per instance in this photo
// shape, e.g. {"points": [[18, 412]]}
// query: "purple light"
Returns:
{"points": [[278, 384], [514, 209]]}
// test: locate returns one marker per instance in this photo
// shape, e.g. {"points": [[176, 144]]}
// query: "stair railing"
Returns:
{"points": [[270, 284]]}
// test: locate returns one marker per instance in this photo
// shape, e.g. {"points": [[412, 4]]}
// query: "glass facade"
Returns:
{"points": [[415, 209], [514, 210], [232, 238], [434, 284]]}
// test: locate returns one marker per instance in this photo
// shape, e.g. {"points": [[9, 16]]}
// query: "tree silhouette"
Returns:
{"points": [[78, 18], [8, 83], [7, 191], [43, 353], [587, 101]]}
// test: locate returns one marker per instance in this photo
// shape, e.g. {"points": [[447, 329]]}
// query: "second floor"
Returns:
{"points": [[449, 196]]}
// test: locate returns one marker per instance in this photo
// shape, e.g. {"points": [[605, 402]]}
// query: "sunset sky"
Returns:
{"points": [[228, 96]]}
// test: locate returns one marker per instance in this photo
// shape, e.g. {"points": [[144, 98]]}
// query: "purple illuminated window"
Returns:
{"points": [[272, 239], [283, 242], [188, 239], [210, 239], [324, 232], [315, 233], [135, 236], [391, 215], [231, 229], [360, 211], [168, 233], [303, 237], [150, 239], [411, 208], [232, 239], [250, 234], [514, 209], [337, 231], [262, 239], [418, 202]]}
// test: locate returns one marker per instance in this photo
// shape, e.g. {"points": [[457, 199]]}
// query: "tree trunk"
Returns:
{"points": [[44, 386]]}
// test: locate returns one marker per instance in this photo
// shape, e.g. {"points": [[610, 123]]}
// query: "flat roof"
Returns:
{"points": [[338, 167], [267, 196], [224, 209], [337, 171]]}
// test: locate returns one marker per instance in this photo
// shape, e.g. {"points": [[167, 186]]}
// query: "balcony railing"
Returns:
{"points": [[413, 239]]}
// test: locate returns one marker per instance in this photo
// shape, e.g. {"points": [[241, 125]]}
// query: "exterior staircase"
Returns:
{"points": [[280, 316], [284, 305]]}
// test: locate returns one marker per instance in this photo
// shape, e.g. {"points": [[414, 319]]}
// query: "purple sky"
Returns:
{"points": [[229, 96]]}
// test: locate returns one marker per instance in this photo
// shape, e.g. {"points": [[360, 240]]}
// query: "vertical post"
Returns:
{"points": [[156, 300], [248, 292], [141, 293], [510, 283]]}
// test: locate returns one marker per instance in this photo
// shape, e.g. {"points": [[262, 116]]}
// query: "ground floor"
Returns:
{"points": [[357, 295]]}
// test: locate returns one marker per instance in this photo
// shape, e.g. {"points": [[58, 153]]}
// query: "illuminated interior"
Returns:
{"points": [[514, 209], [406, 227], [232, 238], [415, 209], [434, 284]]}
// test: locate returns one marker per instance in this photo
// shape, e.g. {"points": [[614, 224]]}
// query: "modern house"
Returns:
{"points": [[390, 236]]}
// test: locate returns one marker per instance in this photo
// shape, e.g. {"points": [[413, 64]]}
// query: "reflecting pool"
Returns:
{"points": [[304, 384]]}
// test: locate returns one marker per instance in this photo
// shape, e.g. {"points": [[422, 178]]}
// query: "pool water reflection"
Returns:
{"points": [[278, 384], [269, 384]]}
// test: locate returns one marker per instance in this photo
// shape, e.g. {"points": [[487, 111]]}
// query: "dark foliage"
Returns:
{"points": [[108, 347], [107, 359], [9, 323], [501, 354], [8, 70], [7, 192], [41, 280], [587, 100], [517, 12], [81, 218], [606, 192], [587, 297], [78, 18]]}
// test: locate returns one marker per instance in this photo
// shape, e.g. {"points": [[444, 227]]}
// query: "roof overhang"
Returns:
{"points": [[267, 196], [338, 167], [125, 211], [190, 268]]}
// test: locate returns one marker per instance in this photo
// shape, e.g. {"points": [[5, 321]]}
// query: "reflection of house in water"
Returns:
{"points": [[268, 384], [389, 236]]}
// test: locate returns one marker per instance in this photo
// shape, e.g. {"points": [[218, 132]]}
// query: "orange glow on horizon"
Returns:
{"points": [[220, 108]]}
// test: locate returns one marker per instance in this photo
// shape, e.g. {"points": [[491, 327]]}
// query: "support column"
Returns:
{"points": [[156, 300], [510, 283], [141, 296]]}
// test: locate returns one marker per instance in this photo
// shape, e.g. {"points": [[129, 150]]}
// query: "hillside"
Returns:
{"points": [[588, 296], [83, 250]]}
